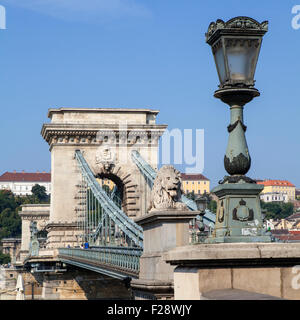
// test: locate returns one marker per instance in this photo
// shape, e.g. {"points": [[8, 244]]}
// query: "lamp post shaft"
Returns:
{"points": [[237, 160]]}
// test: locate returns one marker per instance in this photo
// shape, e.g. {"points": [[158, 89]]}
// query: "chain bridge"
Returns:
{"points": [[91, 227], [115, 242]]}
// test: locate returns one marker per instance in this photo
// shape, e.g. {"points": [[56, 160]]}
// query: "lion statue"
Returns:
{"points": [[167, 190]]}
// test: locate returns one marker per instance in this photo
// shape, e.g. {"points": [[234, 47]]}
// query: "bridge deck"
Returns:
{"points": [[116, 262]]}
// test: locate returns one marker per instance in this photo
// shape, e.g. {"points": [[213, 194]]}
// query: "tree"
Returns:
{"points": [[191, 195], [10, 223], [106, 189], [277, 210], [7, 200], [212, 206], [40, 193], [4, 258]]}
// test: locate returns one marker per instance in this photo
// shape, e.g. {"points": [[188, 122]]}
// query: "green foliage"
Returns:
{"points": [[7, 200], [211, 204], [10, 221], [191, 195], [4, 258], [39, 192], [106, 189], [277, 210]]}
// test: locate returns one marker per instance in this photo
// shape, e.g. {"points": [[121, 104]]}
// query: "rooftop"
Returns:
{"points": [[26, 177], [193, 177], [280, 183]]}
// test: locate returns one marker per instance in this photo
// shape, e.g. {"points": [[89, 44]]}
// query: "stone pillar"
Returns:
{"points": [[163, 231], [90, 130], [32, 212]]}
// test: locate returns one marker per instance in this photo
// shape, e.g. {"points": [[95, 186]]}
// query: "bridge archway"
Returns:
{"points": [[127, 186], [89, 130]]}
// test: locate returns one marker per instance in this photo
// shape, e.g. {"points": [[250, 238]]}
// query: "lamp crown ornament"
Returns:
{"points": [[236, 45], [244, 24]]}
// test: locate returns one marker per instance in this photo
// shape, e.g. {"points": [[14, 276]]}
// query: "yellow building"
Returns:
{"points": [[279, 186], [195, 182], [106, 182]]}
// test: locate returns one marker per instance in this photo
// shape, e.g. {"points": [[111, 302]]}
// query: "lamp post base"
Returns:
{"points": [[238, 217]]}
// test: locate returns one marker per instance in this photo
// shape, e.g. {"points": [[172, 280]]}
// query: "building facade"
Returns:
{"points": [[196, 183], [21, 183], [274, 197], [285, 188]]}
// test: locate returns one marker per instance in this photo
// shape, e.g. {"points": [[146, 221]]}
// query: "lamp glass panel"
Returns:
{"points": [[220, 61], [241, 61]]}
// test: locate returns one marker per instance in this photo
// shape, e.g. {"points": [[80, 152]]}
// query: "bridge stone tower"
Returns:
{"points": [[106, 137]]}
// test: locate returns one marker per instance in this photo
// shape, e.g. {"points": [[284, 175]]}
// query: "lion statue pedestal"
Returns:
{"points": [[166, 227]]}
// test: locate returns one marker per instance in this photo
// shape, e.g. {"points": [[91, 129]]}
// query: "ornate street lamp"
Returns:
{"points": [[236, 45], [201, 203]]}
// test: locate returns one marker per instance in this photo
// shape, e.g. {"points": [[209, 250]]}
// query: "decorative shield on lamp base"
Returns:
{"points": [[238, 217]]}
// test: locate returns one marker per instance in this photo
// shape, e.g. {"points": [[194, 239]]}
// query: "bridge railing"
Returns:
{"points": [[117, 258]]}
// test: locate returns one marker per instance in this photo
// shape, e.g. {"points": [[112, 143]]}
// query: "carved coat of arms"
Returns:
{"points": [[105, 156], [242, 212]]}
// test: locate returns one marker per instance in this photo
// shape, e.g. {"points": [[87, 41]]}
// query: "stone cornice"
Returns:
{"points": [[167, 216], [86, 134], [34, 215], [61, 225], [35, 205], [102, 110]]}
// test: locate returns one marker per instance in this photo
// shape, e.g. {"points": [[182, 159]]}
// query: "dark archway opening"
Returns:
{"points": [[117, 184]]}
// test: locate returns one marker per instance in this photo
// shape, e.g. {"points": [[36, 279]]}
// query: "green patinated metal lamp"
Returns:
{"points": [[201, 203], [236, 45]]}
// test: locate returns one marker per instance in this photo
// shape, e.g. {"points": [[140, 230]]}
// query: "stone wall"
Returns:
{"points": [[270, 269]]}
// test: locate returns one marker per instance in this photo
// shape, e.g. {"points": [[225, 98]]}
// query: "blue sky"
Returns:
{"points": [[130, 53]]}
